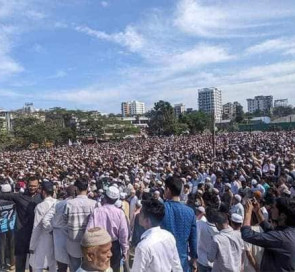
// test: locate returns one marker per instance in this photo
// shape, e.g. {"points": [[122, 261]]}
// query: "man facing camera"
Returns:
{"points": [[96, 247]]}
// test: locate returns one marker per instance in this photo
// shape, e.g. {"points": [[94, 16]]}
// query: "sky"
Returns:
{"points": [[93, 55]]}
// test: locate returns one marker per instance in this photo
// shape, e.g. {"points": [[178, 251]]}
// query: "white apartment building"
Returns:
{"points": [[179, 109], [5, 120], [210, 101], [132, 108]]}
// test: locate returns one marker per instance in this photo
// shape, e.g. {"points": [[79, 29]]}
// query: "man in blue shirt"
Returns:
{"points": [[181, 222]]}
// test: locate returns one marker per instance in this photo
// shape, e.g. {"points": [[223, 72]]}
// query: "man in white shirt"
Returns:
{"points": [[227, 247], [41, 244], [237, 206], [157, 250], [205, 233]]}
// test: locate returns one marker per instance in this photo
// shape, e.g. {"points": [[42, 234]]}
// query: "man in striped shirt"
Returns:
{"points": [[76, 215]]}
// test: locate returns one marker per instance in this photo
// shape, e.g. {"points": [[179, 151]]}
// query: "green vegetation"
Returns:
{"points": [[58, 125], [164, 122]]}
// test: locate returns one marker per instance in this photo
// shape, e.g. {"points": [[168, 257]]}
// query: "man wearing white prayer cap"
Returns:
{"points": [[96, 247], [236, 221]]}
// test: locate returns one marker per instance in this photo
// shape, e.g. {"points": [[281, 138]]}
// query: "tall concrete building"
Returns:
{"points": [[179, 109], [210, 101], [132, 108], [229, 110], [125, 109], [281, 103], [5, 120], [261, 103]]}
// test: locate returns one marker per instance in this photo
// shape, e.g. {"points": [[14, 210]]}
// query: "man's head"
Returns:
{"points": [[236, 221], [33, 185], [283, 212], [96, 247], [47, 189], [156, 194], [173, 186], [71, 191], [186, 188], [227, 187], [237, 199], [151, 214], [82, 185], [112, 195], [221, 221]]}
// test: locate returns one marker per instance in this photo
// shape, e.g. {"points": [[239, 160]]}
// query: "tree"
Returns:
{"points": [[282, 111], [196, 121], [240, 115], [162, 119]]}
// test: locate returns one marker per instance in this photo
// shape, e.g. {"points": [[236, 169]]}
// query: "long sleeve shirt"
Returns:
{"points": [[279, 247], [113, 220], [25, 206], [76, 215], [180, 220], [226, 251], [156, 252]]}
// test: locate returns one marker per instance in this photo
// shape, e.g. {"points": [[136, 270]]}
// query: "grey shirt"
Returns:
{"points": [[226, 251]]}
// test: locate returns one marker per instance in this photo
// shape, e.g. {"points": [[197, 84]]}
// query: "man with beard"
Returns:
{"points": [[25, 206], [96, 247]]}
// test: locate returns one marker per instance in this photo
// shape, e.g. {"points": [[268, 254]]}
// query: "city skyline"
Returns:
{"points": [[92, 55]]}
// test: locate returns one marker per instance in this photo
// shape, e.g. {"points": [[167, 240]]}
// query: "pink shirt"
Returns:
{"points": [[113, 220]]}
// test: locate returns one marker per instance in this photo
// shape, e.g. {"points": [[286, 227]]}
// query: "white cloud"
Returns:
{"points": [[104, 3], [285, 45], [230, 18], [199, 55], [193, 18], [130, 38], [8, 66]]}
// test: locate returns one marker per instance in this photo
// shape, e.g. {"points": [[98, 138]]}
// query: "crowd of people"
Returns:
{"points": [[153, 205]]}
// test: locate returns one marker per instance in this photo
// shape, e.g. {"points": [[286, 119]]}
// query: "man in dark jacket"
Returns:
{"points": [[25, 206], [278, 243]]}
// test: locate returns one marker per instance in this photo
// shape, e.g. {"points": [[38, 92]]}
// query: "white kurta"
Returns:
{"points": [[42, 240], [54, 221]]}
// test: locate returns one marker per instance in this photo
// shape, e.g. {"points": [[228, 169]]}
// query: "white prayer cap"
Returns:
{"points": [[238, 198], [113, 192], [95, 237], [254, 182], [236, 218]]}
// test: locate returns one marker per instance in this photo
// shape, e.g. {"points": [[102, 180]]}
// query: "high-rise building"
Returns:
{"points": [[281, 103], [210, 101], [260, 103], [132, 108], [125, 109], [229, 110], [179, 109], [29, 108], [5, 120]]}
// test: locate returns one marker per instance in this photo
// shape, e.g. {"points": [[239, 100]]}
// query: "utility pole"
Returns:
{"points": [[213, 134]]}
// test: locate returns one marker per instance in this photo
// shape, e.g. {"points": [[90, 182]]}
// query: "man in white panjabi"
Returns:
{"points": [[41, 244], [54, 221]]}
